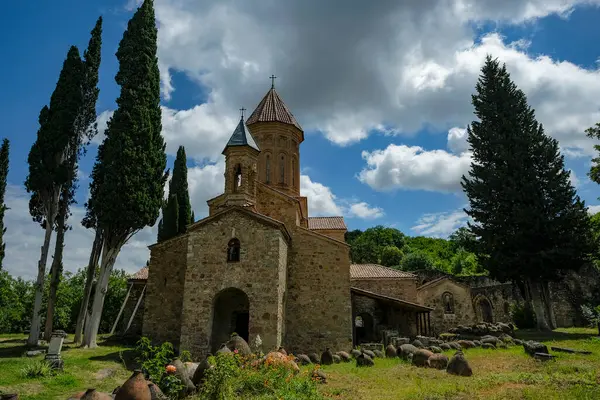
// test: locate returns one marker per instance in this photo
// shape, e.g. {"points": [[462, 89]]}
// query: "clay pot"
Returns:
{"points": [[12, 396], [155, 392], [134, 388]]}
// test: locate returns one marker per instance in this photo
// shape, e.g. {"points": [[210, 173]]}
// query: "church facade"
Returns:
{"points": [[258, 264]]}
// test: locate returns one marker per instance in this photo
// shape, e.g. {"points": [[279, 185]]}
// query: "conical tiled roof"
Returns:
{"points": [[272, 109], [242, 137]]}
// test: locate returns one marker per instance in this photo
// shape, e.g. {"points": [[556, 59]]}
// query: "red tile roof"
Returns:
{"points": [[326, 223], [142, 274], [270, 109], [375, 271]]}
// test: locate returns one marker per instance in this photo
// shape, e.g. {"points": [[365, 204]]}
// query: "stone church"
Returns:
{"points": [[258, 264]]}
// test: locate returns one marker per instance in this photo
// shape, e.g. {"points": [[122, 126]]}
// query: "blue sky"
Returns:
{"points": [[382, 92]]}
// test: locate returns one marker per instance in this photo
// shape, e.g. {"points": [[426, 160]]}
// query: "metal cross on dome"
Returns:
{"points": [[273, 77], [242, 111]]}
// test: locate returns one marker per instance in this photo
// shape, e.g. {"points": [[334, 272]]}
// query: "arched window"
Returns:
{"points": [[233, 250], [238, 177], [268, 169], [293, 172], [282, 169], [448, 302]]}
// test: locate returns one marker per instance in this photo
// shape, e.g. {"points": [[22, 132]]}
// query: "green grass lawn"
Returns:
{"points": [[497, 374]]}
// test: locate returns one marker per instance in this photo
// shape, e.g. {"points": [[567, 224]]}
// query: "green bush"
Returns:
{"points": [[36, 369], [523, 317], [236, 377]]}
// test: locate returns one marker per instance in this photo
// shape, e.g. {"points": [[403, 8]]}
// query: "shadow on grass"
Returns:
{"points": [[13, 351], [125, 357], [529, 334]]}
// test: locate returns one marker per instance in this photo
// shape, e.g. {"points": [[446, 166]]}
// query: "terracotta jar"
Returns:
{"points": [[134, 388], [12, 396], [93, 394]]}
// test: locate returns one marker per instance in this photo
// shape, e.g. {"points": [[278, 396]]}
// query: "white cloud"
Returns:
{"points": [[574, 179], [204, 183], [404, 167], [364, 211], [440, 224], [102, 121], [321, 201], [457, 140], [593, 209], [24, 238], [390, 67]]}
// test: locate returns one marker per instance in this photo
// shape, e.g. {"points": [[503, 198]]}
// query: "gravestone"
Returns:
{"points": [[54, 348]]}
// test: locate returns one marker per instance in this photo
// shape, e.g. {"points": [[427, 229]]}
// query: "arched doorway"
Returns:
{"points": [[364, 328], [230, 314], [485, 310]]}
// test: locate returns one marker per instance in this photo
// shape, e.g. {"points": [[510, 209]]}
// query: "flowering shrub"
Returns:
{"points": [[154, 362], [234, 376]]}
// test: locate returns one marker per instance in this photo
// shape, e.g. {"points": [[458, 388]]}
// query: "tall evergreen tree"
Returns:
{"points": [[4, 150], [171, 218], [85, 129], [528, 220], [129, 174], [193, 218], [178, 187], [47, 165]]}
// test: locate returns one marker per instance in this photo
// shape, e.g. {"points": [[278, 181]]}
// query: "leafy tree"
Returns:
{"points": [[529, 222], [368, 246], [351, 236], [439, 251], [464, 263], [463, 238], [85, 129], [391, 256], [129, 173], [416, 261], [4, 150], [47, 169]]}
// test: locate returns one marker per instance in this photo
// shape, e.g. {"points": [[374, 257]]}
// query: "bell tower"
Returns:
{"points": [[279, 136], [241, 159]]}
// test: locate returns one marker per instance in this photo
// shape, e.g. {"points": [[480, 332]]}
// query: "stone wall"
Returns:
{"points": [[277, 206], [318, 302], [164, 291], [260, 274], [403, 289], [431, 295], [336, 234]]}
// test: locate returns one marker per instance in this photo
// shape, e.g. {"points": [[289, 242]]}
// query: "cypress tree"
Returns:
{"points": [[84, 129], [193, 218], [179, 187], [528, 220], [173, 224], [171, 216], [129, 174], [47, 165], [4, 150]]}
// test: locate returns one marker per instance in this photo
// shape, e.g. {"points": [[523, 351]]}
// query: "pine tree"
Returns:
{"points": [[85, 129], [47, 169], [129, 174], [4, 150], [528, 220]]}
